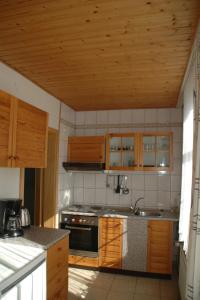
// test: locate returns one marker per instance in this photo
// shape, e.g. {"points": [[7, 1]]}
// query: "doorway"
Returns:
{"points": [[40, 187]]}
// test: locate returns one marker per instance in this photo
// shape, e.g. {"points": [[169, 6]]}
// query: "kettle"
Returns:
{"points": [[25, 217]]}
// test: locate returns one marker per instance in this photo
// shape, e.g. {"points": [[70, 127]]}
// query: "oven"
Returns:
{"points": [[83, 232]]}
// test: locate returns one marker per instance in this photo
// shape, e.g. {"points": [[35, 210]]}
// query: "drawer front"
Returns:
{"points": [[56, 284], [57, 258]]}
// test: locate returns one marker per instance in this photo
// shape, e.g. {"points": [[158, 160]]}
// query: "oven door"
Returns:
{"points": [[82, 237]]}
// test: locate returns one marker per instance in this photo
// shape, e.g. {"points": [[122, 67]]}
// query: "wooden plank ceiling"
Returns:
{"points": [[107, 54]]}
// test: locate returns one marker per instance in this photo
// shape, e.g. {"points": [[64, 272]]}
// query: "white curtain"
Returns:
{"points": [[186, 187], [193, 258]]}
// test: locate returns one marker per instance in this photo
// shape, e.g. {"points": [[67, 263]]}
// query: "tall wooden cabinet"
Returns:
{"points": [[23, 134]]}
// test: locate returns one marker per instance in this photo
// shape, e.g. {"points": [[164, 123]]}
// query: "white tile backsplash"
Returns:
{"points": [[138, 116], [159, 190], [137, 182], [163, 115], [102, 117], [164, 183], [78, 196], [89, 196], [78, 180], [151, 182], [100, 181], [125, 116], [89, 180], [114, 117], [90, 117], [150, 115], [100, 196]]}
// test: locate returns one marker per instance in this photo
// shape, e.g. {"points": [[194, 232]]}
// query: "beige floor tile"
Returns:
{"points": [[124, 283], [145, 297], [169, 288], [72, 297], [147, 286], [119, 296], [103, 280], [94, 293]]}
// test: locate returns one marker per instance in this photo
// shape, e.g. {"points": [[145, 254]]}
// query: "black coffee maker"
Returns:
{"points": [[10, 222]]}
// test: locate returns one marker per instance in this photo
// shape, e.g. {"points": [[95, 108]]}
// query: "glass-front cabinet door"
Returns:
{"points": [[156, 151], [122, 152]]}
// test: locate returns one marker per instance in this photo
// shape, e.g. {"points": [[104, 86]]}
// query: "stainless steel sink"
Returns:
{"points": [[148, 213]]}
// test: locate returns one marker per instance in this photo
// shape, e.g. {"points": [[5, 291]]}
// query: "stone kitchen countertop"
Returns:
{"points": [[120, 212], [165, 215], [44, 237]]}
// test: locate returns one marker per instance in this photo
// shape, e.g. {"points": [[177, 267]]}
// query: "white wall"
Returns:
{"points": [[65, 179], [158, 190], [17, 85]]}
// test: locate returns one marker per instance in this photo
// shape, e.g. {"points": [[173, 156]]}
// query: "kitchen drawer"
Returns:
{"points": [[57, 283], [57, 258]]}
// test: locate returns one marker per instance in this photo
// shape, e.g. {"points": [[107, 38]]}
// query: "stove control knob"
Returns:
{"points": [[84, 220], [73, 220], [80, 220], [65, 219]]}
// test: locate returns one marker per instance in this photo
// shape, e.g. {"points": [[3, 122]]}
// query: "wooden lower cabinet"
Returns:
{"points": [[110, 240], [57, 270], [159, 252]]}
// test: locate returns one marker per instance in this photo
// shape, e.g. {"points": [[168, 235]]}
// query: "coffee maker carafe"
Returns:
{"points": [[10, 223]]}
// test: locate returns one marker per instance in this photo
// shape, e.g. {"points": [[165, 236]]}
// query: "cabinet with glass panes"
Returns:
{"points": [[156, 151], [122, 151], [140, 151]]}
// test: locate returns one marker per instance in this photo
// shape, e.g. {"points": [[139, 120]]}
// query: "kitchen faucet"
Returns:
{"points": [[135, 208]]}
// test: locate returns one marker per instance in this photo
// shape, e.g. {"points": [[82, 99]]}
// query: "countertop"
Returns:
{"points": [[165, 215], [120, 212], [44, 237], [18, 256]]}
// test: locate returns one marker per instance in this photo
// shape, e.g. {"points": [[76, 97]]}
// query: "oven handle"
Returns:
{"points": [[78, 228]]}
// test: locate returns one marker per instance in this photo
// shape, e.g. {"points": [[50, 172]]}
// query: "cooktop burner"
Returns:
{"points": [[82, 209]]}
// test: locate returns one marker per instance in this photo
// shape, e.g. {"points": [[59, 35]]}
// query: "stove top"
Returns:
{"points": [[82, 210]]}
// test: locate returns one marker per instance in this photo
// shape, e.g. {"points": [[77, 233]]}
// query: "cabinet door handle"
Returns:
{"points": [[10, 157]]}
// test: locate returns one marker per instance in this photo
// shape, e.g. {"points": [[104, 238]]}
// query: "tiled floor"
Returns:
{"points": [[93, 285]]}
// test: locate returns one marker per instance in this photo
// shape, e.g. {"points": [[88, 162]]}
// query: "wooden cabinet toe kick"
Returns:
{"points": [[84, 261]]}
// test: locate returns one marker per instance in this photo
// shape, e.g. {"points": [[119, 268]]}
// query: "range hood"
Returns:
{"points": [[78, 166]]}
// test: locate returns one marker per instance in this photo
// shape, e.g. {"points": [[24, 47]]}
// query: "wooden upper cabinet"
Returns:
{"points": [[155, 151], [86, 149], [122, 151], [23, 134], [30, 136], [6, 118], [149, 151]]}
